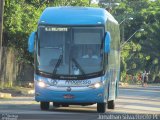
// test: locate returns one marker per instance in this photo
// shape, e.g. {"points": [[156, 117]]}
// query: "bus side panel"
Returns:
{"points": [[113, 59]]}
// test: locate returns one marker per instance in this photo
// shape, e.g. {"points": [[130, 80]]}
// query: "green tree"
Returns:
{"points": [[143, 52], [21, 17]]}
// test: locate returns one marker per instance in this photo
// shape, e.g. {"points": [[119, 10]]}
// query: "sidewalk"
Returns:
{"points": [[138, 87], [11, 92]]}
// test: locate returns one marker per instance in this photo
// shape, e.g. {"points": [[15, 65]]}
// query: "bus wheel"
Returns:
{"points": [[111, 104], [101, 107], [44, 105]]}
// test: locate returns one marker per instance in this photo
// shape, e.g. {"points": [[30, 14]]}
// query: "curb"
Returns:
{"points": [[5, 95], [121, 84]]}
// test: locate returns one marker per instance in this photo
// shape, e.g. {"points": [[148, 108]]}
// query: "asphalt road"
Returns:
{"points": [[134, 102]]}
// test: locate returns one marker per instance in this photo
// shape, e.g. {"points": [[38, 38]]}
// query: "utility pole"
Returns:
{"points": [[1, 33]]}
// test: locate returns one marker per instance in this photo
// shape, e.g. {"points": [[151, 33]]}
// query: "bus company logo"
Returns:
{"points": [[68, 77], [54, 82], [68, 89]]}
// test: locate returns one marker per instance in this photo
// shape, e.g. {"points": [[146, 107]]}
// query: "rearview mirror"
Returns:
{"points": [[107, 42], [31, 42]]}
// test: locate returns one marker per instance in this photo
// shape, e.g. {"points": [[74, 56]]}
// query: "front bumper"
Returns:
{"points": [[83, 95]]}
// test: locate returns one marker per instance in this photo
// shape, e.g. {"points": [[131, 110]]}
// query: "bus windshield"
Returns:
{"points": [[70, 51]]}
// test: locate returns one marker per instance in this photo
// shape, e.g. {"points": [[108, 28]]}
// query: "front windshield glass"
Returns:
{"points": [[69, 50]]}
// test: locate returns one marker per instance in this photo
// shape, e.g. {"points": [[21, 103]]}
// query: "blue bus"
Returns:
{"points": [[76, 57]]}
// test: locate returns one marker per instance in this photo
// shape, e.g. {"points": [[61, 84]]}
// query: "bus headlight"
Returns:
{"points": [[41, 84], [95, 85]]}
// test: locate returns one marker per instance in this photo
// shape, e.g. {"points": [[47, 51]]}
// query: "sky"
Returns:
{"points": [[94, 1]]}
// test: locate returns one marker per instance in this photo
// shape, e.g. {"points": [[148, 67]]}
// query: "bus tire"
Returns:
{"points": [[44, 105], [101, 107], [111, 104]]}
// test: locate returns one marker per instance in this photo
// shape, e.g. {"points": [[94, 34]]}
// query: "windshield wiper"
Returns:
{"points": [[57, 64], [78, 66]]}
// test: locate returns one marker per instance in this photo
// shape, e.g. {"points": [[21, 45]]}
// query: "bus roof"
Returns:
{"points": [[75, 16]]}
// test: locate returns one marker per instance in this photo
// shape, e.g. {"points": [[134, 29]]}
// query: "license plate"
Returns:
{"points": [[77, 82], [68, 96]]}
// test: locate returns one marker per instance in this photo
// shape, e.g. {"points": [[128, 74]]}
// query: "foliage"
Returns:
{"points": [[143, 52], [140, 53], [21, 18]]}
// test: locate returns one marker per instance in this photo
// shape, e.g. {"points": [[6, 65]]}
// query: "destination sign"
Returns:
{"points": [[55, 29]]}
